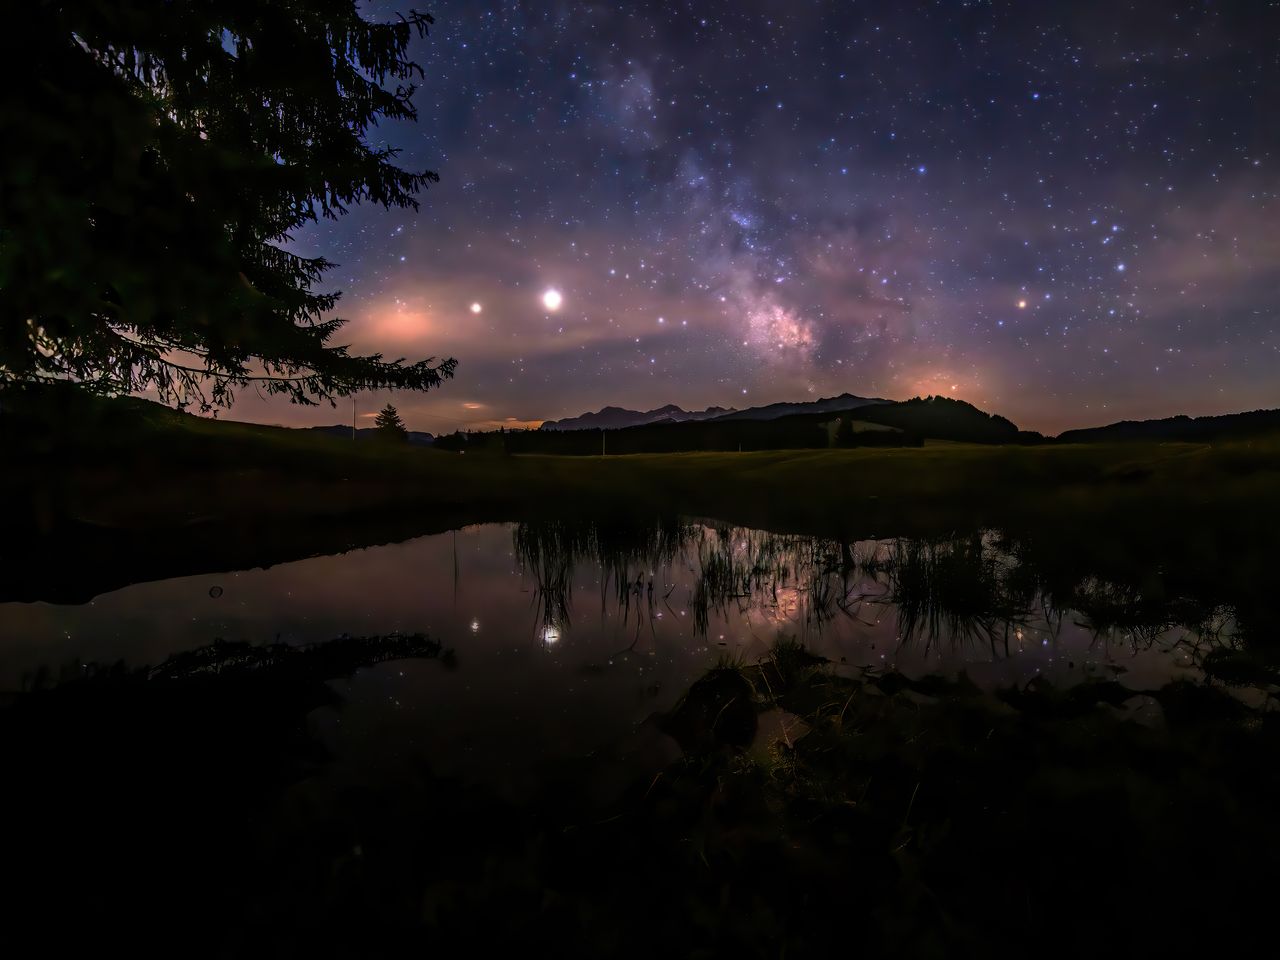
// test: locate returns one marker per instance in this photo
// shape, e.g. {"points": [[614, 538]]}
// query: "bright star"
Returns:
{"points": [[476, 308], [552, 300]]}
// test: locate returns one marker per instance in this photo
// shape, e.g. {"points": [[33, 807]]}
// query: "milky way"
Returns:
{"points": [[1064, 212]]}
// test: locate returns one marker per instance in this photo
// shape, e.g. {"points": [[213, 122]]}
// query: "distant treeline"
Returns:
{"points": [[1186, 429], [906, 424], [415, 438], [679, 438]]}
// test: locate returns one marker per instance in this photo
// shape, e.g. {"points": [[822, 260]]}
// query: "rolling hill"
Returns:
{"points": [[774, 411], [1196, 429]]}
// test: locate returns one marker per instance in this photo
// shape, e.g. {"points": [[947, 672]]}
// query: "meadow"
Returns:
{"points": [[113, 491]]}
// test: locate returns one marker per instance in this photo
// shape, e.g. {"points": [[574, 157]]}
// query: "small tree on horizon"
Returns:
{"points": [[844, 433], [389, 423]]}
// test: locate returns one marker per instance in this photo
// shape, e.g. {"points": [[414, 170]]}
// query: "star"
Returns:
{"points": [[645, 183]]}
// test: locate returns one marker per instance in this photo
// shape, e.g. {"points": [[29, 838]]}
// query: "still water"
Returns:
{"points": [[567, 637]]}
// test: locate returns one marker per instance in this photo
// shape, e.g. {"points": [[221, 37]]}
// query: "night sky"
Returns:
{"points": [[1066, 213]]}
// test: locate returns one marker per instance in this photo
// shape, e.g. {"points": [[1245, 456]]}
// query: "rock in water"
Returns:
{"points": [[719, 710]]}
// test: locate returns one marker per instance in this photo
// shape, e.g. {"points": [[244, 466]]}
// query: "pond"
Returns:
{"points": [[566, 637]]}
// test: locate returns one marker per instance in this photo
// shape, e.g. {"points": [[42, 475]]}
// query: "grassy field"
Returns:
{"points": [[162, 491], [139, 464]]}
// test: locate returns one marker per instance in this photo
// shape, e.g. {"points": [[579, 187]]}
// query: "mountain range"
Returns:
{"points": [[616, 418], [619, 418], [937, 418]]}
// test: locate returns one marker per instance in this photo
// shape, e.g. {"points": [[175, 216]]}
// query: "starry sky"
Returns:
{"points": [[1066, 213]]}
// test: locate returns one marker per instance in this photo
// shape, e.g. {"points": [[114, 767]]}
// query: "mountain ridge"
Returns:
{"points": [[773, 411], [619, 418], [1181, 427]]}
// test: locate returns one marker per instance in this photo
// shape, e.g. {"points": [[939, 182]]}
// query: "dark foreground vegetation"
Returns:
{"points": [[190, 809]]}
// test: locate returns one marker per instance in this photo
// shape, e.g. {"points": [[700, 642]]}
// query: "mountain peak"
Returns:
{"points": [[617, 418], [772, 411]]}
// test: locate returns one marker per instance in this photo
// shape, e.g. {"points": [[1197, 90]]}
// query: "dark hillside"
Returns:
{"points": [[1182, 428]]}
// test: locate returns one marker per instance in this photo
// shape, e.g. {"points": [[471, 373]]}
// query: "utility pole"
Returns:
{"points": [[602, 450], [353, 417]]}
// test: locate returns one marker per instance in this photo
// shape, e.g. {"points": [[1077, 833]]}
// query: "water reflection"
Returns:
{"points": [[951, 602], [570, 634]]}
